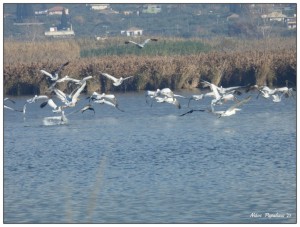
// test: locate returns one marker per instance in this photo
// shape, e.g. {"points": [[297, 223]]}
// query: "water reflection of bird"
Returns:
{"points": [[140, 45]]}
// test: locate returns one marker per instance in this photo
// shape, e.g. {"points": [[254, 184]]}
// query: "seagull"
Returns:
{"points": [[165, 92], [54, 74], [87, 107], [277, 98], [151, 94], [109, 101], [83, 109], [164, 95], [235, 90], [196, 98], [141, 45], [168, 93], [70, 100], [191, 111], [231, 110], [37, 97], [214, 89], [116, 81], [103, 98], [96, 96], [264, 91], [222, 90], [226, 95], [10, 108], [67, 78], [170, 100], [287, 92], [201, 96], [8, 99], [51, 103], [76, 81]]}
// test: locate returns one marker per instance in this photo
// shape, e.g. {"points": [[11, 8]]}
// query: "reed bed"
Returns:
{"points": [[225, 62]]}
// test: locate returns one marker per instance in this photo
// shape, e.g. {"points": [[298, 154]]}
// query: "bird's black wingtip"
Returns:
{"points": [[43, 104]]}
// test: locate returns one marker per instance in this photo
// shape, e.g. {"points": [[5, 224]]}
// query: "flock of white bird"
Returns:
{"points": [[218, 95]]}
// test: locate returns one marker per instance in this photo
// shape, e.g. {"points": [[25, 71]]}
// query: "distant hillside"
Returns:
{"points": [[28, 22]]}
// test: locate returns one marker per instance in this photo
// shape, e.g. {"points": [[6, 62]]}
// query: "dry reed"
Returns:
{"points": [[262, 62]]}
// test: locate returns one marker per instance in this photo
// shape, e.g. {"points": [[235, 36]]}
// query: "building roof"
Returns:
{"points": [[233, 16], [275, 14], [98, 4], [56, 8], [134, 29]]}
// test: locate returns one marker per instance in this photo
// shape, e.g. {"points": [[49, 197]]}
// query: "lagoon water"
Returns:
{"points": [[148, 165]]}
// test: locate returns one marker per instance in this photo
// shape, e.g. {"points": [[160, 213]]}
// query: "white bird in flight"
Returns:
{"points": [[140, 45], [219, 97], [70, 100], [168, 93], [277, 97], [231, 110], [54, 74], [10, 108], [170, 100], [37, 97], [103, 98], [76, 81], [97, 96], [83, 109], [163, 95], [115, 80], [8, 99], [51, 103]]}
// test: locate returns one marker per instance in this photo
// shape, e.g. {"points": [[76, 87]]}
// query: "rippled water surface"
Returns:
{"points": [[148, 165]]}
